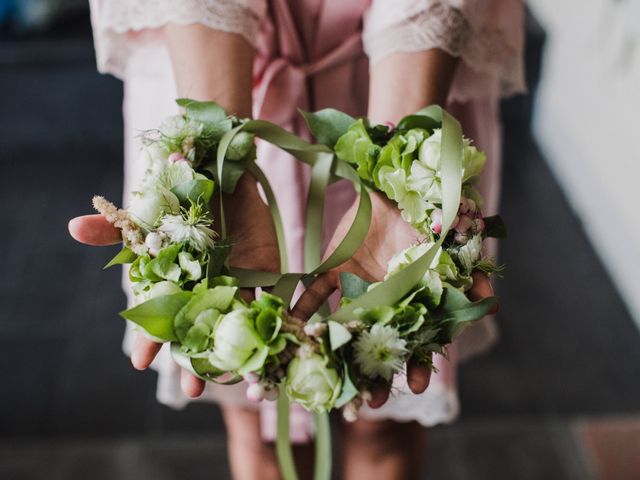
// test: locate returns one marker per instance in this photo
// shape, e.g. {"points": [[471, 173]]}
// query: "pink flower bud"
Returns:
{"points": [[255, 392], [436, 221], [464, 205], [464, 224], [251, 378], [471, 205], [177, 157]]}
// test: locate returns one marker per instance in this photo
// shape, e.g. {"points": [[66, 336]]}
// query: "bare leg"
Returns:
{"points": [[383, 450], [249, 456]]}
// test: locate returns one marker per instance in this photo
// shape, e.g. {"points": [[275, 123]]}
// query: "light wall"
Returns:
{"points": [[587, 123]]}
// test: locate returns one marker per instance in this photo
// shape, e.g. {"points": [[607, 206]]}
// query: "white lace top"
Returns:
{"points": [[486, 34]]}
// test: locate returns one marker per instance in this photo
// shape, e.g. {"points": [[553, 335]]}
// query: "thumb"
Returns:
{"points": [[315, 295], [94, 230]]}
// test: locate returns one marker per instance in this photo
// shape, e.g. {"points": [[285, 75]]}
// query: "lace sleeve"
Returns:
{"points": [[486, 34], [117, 23]]}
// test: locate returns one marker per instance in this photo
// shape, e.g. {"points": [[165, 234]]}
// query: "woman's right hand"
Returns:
{"points": [[255, 246]]}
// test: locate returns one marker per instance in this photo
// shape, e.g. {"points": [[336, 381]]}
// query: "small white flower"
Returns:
{"points": [[179, 229], [251, 378], [178, 126], [153, 241], [469, 253], [255, 392], [192, 227], [380, 352], [350, 412]]}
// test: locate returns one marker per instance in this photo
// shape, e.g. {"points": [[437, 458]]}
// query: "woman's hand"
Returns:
{"points": [[255, 246], [388, 234]]}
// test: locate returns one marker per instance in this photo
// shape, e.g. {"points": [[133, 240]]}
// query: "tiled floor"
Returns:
{"points": [[71, 407]]}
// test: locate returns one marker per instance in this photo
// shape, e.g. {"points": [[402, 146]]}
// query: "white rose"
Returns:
{"points": [[429, 153], [149, 205], [312, 384], [235, 340]]}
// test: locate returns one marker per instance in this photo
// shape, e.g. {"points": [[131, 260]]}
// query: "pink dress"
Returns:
{"points": [[313, 54]]}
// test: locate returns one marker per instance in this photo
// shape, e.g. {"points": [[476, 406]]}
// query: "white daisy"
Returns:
{"points": [[192, 227], [380, 352]]}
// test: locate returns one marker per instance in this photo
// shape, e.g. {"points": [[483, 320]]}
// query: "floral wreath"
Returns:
{"points": [[185, 292]]}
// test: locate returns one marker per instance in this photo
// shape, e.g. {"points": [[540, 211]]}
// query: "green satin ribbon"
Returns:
{"points": [[325, 169]]}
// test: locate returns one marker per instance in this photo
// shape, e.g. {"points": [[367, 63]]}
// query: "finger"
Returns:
{"points": [[144, 351], [379, 396], [418, 376], [248, 294], [94, 230], [315, 295], [191, 385], [482, 289]]}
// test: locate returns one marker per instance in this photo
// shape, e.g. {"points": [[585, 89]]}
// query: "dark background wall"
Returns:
{"points": [[540, 405]]}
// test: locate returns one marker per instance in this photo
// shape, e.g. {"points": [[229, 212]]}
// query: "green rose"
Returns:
{"points": [[235, 340], [312, 384]]}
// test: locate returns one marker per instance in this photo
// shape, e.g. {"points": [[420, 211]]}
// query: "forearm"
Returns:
{"points": [[403, 83], [212, 65]]}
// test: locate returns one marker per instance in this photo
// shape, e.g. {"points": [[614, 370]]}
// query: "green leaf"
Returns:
{"points": [[217, 256], [231, 173], [456, 311], [349, 390], [199, 191], [338, 335], [267, 300], [191, 267], [223, 281], [203, 367], [418, 121], [352, 285], [157, 315], [278, 345], [240, 146], [268, 324], [256, 362], [328, 125], [217, 298], [125, 255], [381, 314], [206, 112], [495, 227], [197, 338]]}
